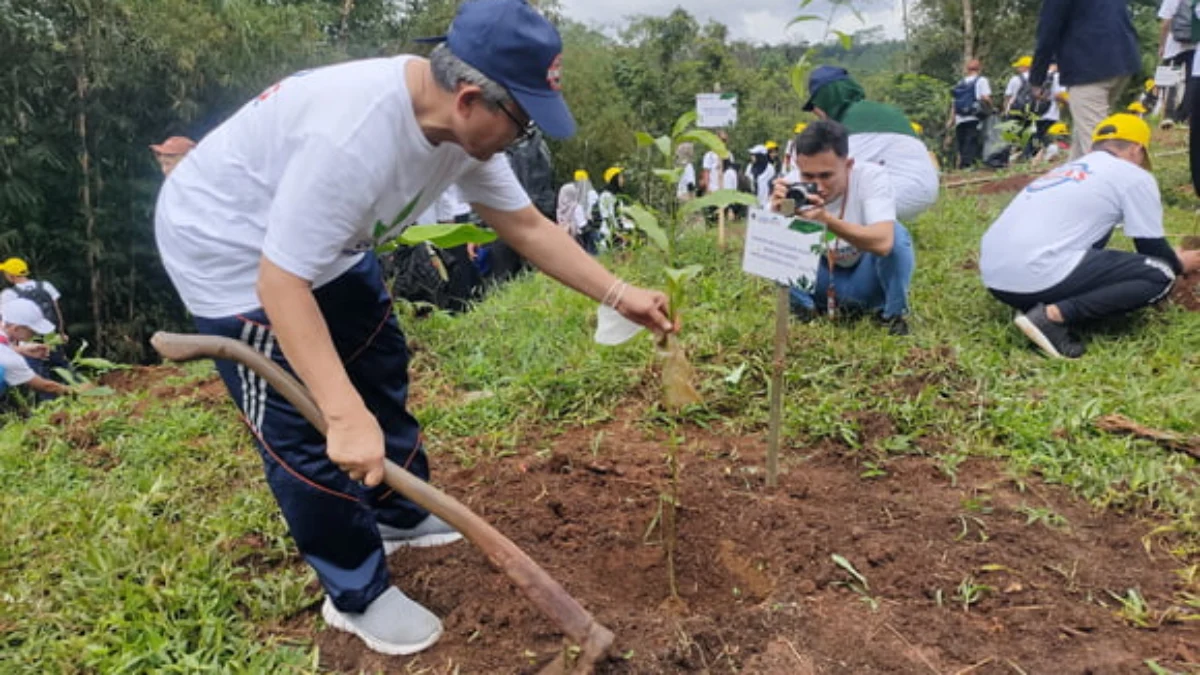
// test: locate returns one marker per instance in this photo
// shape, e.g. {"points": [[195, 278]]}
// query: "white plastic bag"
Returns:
{"points": [[612, 328]]}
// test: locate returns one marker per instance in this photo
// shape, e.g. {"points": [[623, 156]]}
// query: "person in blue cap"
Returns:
{"points": [[267, 230], [879, 133]]}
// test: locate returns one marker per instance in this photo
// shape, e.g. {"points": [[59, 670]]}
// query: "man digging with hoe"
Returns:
{"points": [[267, 229]]}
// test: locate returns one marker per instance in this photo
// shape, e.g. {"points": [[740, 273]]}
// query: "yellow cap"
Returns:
{"points": [[1125, 127], [1136, 108], [1023, 62], [917, 128], [1149, 84], [800, 127], [15, 267], [1059, 129], [581, 175], [611, 173], [771, 145]]}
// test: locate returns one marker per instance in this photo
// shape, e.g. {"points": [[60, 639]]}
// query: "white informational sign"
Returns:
{"points": [[1167, 76], [778, 249], [716, 111]]}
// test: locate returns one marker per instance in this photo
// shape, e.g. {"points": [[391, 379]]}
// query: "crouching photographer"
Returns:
{"points": [[870, 265]]}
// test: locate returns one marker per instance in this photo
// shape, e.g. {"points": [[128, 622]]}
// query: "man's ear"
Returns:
{"points": [[849, 164], [466, 95]]}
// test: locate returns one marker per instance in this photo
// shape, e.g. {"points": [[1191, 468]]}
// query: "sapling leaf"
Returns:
{"points": [[802, 18], [644, 139], [845, 564], [383, 232], [97, 391], [718, 199], [681, 276], [99, 364], [646, 222], [669, 176], [706, 138], [663, 143], [446, 235], [799, 73], [845, 39], [685, 120]]}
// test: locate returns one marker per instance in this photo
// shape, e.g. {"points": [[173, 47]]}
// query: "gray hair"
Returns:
{"points": [[1114, 144], [449, 71]]}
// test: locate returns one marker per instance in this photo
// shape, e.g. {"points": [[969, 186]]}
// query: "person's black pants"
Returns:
{"points": [[969, 139], [1105, 284]]}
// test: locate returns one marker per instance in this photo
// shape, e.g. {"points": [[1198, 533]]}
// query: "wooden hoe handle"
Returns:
{"points": [[566, 612]]}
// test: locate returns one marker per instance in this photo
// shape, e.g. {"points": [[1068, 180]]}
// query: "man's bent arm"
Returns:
{"points": [[39, 383], [876, 238], [300, 328]]}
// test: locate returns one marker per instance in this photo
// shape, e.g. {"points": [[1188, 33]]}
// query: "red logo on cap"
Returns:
{"points": [[554, 75]]}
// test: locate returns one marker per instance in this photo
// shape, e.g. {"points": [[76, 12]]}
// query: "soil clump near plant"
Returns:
{"points": [[964, 567]]}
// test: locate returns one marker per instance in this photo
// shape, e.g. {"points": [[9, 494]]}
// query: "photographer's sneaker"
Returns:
{"points": [[432, 531], [393, 624], [1052, 338]]}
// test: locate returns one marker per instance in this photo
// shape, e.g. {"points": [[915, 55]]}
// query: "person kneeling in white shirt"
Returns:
{"points": [[1045, 255], [873, 260]]}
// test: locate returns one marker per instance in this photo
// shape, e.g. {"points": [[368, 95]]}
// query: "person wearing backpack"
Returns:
{"points": [[1096, 48], [41, 293], [971, 105], [1177, 47]]}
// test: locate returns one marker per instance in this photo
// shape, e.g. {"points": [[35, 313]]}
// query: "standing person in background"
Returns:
{"points": [[1176, 16], [589, 201], [762, 174], [1058, 98], [971, 105], [789, 151], [685, 155], [450, 207], [571, 216], [41, 293], [773, 156], [171, 152], [729, 181], [1096, 48], [1016, 84], [710, 167], [614, 227]]}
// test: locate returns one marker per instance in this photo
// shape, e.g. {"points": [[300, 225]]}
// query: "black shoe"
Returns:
{"points": [[1052, 338], [897, 325], [803, 314]]}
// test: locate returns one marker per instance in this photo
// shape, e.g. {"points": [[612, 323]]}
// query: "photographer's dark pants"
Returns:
{"points": [[331, 517], [968, 137], [1105, 284], [876, 283]]}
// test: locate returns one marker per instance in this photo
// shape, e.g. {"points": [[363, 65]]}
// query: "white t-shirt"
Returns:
{"points": [[9, 294], [450, 205], [1056, 89], [730, 181], [688, 178], [765, 185], [1166, 12], [982, 88], [1014, 84], [302, 174], [870, 202], [907, 162], [1044, 233], [16, 369], [711, 166]]}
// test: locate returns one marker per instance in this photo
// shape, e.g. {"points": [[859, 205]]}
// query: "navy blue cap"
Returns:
{"points": [[515, 46], [820, 77]]}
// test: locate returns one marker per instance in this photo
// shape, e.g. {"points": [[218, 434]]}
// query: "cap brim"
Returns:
{"points": [[808, 107], [547, 109], [42, 327]]}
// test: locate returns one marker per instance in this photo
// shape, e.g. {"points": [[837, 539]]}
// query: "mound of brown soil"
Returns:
{"points": [[964, 566]]}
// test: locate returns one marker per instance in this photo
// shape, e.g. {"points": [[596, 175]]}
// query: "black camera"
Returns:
{"points": [[799, 193]]}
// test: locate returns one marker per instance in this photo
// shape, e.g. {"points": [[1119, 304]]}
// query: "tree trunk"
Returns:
{"points": [[968, 31], [907, 43], [85, 198], [347, 7]]}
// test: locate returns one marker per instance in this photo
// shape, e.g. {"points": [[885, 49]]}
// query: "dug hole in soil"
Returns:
{"points": [[760, 591], [1186, 292]]}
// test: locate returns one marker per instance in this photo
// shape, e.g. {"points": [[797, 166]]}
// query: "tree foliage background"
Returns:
{"points": [[87, 85]]}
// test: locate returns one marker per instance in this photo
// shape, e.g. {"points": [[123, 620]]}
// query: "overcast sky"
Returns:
{"points": [[754, 20]]}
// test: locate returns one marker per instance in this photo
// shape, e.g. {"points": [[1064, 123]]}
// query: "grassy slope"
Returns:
{"points": [[160, 548]]}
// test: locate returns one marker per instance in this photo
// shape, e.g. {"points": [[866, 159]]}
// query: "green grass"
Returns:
{"points": [[154, 545]]}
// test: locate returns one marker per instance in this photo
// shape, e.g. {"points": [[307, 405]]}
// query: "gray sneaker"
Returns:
{"points": [[1052, 338], [432, 531], [393, 624]]}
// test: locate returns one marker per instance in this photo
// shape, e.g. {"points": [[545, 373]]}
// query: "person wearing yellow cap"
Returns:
{"points": [[1176, 49], [1018, 85], [1136, 108], [614, 228], [1046, 254], [1056, 145], [789, 149], [41, 293]]}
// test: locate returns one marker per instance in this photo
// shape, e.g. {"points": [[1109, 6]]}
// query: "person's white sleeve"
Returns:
{"points": [[6, 296], [1167, 9], [983, 87], [319, 208], [494, 185], [54, 294], [879, 202], [1014, 85], [16, 370], [581, 219], [1141, 205], [711, 161]]}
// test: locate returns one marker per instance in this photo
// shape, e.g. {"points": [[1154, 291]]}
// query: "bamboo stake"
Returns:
{"points": [[781, 336]]}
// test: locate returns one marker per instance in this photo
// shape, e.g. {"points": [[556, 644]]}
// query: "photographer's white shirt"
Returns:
{"points": [[1044, 233], [301, 175], [870, 201]]}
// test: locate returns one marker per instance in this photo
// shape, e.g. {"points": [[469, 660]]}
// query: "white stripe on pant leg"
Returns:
{"points": [[247, 332], [255, 381], [1165, 269], [262, 384]]}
